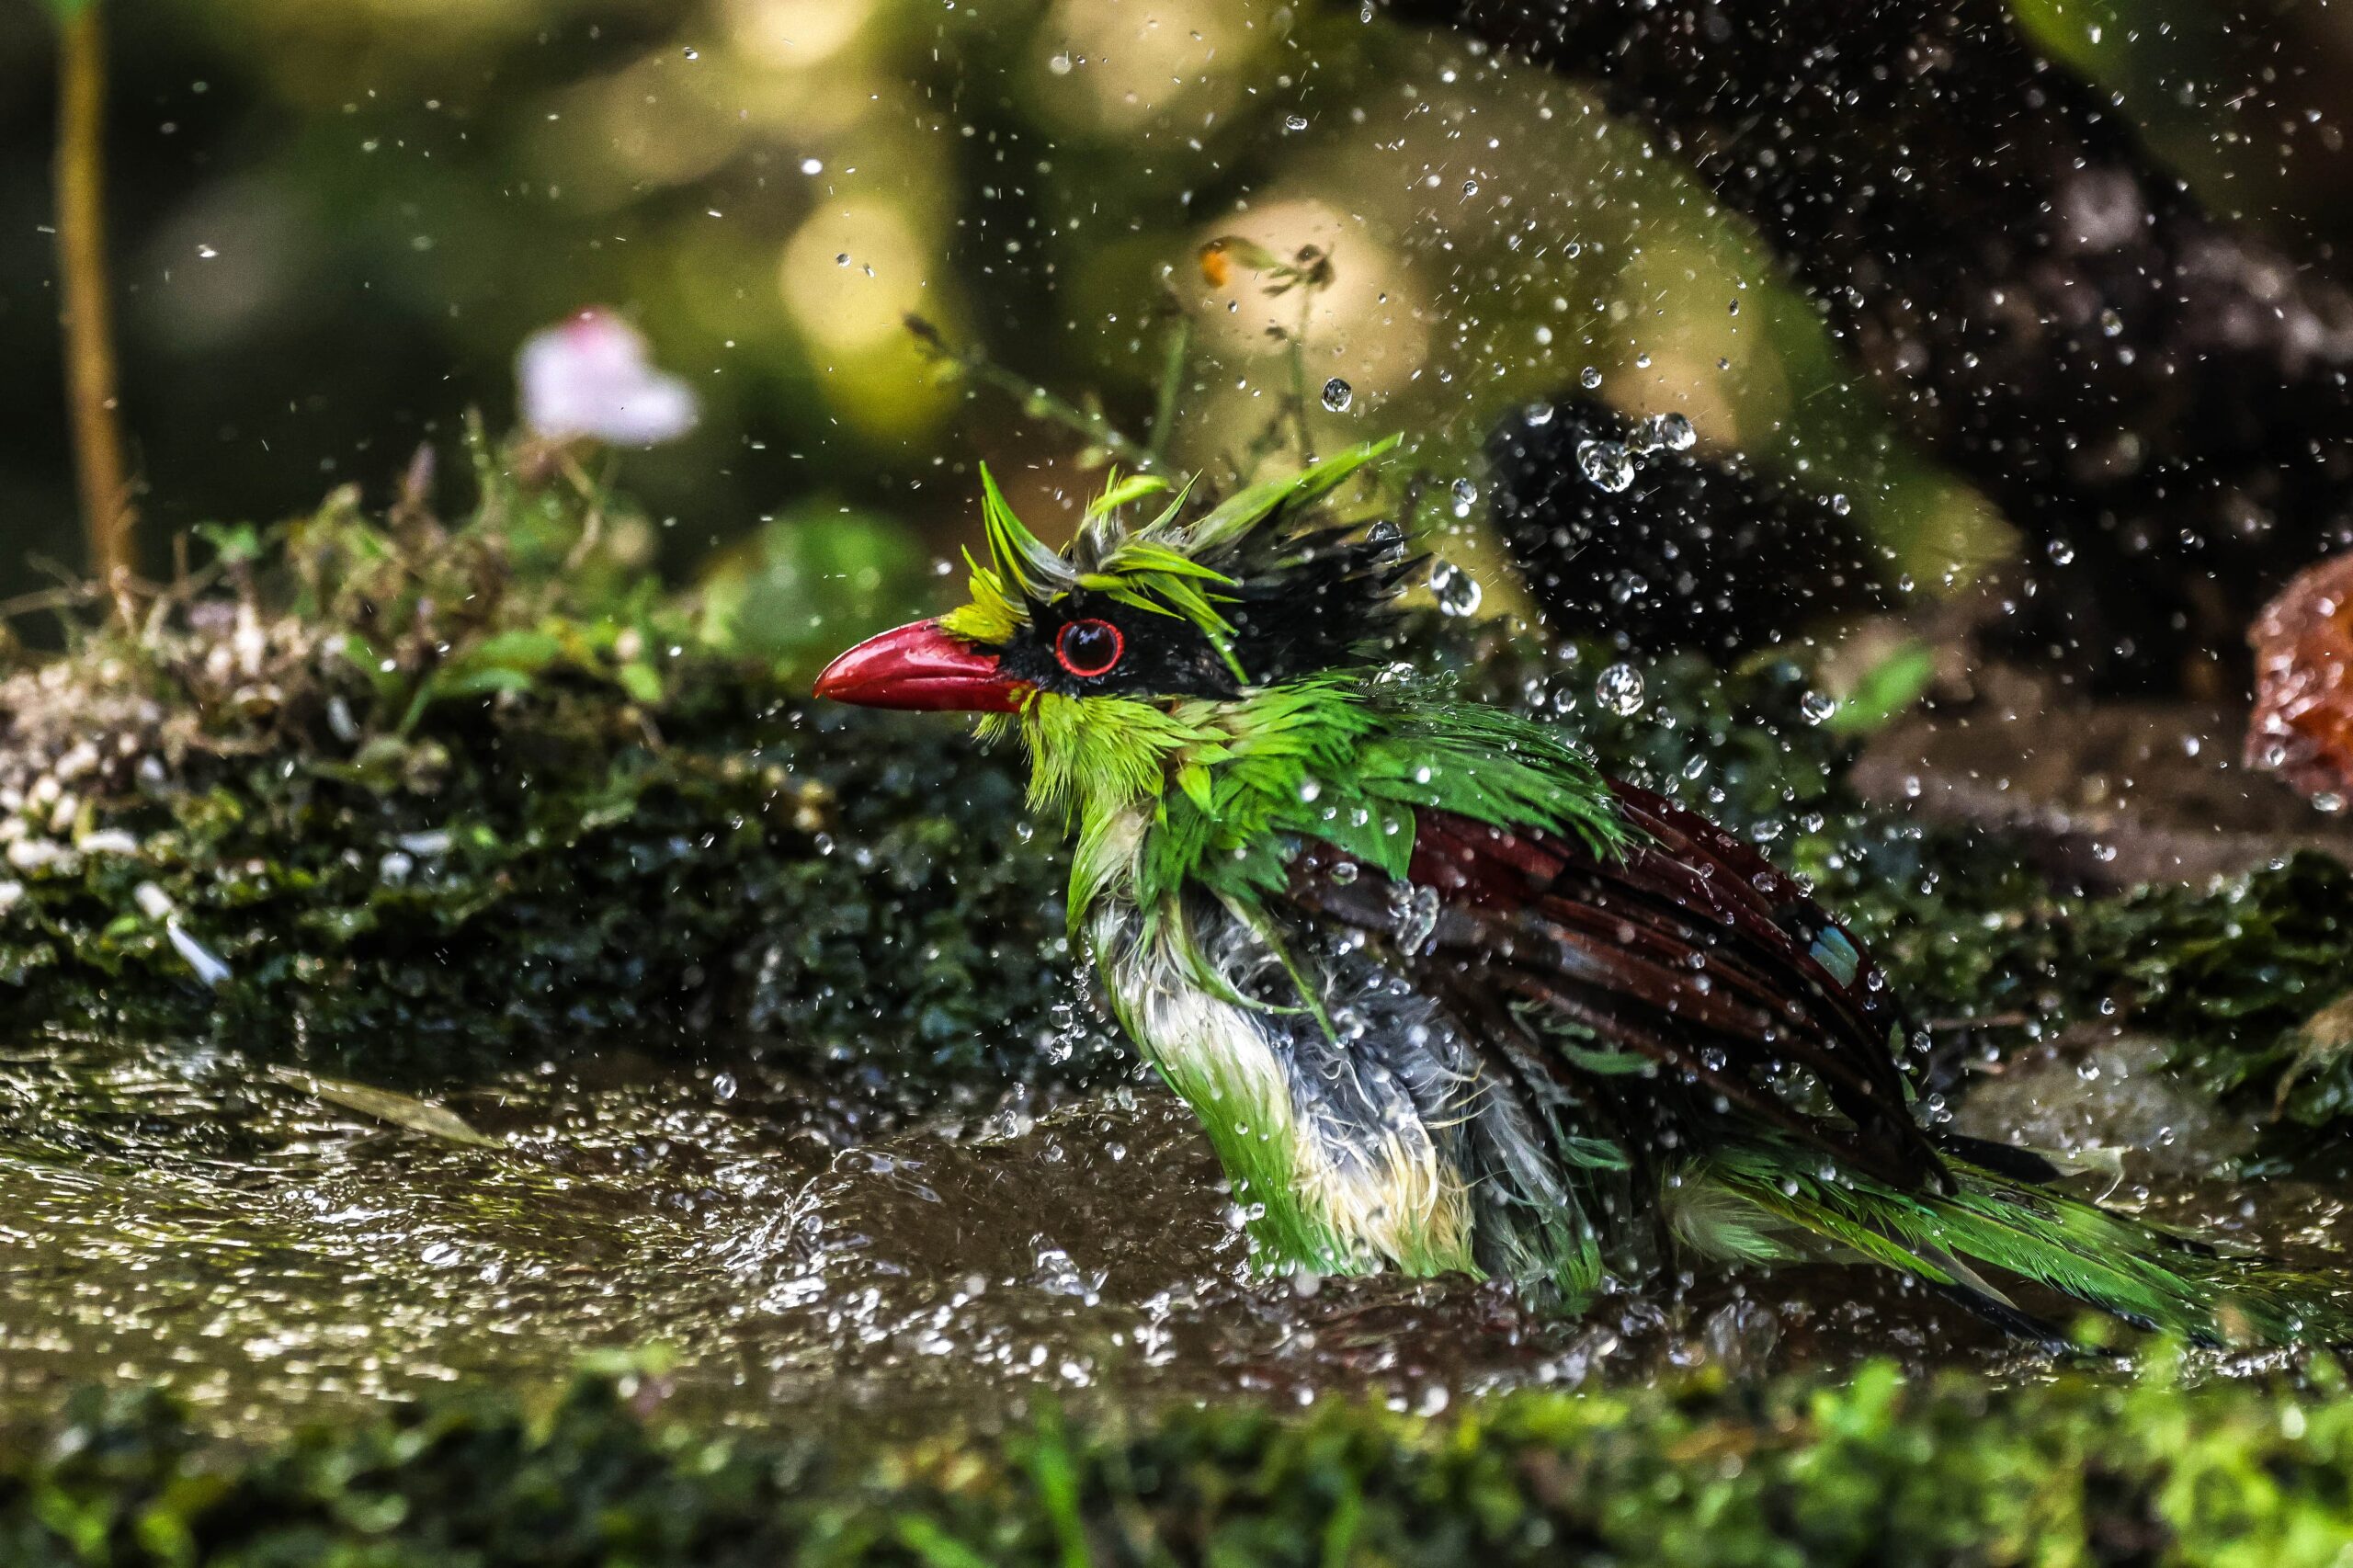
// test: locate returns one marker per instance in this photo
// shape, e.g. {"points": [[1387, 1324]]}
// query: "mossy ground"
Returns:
{"points": [[431, 804], [1871, 1469]]}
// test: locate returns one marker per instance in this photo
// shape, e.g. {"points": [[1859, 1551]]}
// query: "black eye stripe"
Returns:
{"points": [[1122, 653], [1089, 647]]}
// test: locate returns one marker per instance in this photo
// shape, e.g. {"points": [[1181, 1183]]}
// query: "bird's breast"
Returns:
{"points": [[1341, 1140]]}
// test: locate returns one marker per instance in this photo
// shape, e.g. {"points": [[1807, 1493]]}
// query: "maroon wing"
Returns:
{"points": [[1689, 948]]}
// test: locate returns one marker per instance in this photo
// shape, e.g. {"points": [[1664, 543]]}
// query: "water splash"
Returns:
{"points": [[1606, 465], [1619, 689], [1457, 592]]}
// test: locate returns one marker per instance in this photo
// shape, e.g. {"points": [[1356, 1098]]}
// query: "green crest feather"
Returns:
{"points": [[1163, 566]]}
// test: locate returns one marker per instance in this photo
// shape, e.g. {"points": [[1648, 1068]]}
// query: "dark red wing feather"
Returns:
{"points": [[1689, 949]]}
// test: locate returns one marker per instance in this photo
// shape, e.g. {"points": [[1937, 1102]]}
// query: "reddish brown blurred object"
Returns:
{"points": [[2303, 727]]}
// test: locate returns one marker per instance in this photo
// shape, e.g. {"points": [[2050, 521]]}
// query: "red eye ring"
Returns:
{"points": [[1087, 661]]}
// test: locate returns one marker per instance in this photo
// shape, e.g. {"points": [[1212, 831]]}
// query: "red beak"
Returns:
{"points": [[920, 666]]}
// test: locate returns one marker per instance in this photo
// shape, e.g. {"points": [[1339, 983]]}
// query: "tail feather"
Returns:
{"points": [[1994, 1222]]}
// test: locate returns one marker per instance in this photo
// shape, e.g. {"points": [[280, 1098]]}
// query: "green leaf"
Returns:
{"points": [[478, 682], [386, 1105], [232, 542], [521, 649], [1887, 690], [811, 584], [640, 680]]}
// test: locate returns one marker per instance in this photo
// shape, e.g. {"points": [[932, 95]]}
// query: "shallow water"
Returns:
{"points": [[191, 1218]]}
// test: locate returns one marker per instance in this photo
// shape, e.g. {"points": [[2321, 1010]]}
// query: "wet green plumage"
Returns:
{"points": [[2149, 1276], [1639, 984]]}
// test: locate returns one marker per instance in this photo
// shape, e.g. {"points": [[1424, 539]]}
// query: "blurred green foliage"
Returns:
{"points": [[1875, 1469], [809, 584]]}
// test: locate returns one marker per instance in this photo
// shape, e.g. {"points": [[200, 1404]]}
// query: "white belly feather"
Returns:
{"points": [[1343, 1193]]}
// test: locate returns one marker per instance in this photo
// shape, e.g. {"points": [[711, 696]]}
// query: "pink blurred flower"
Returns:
{"points": [[592, 376]]}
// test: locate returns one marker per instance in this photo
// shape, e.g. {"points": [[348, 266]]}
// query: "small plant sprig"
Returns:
{"points": [[1308, 273], [1105, 442]]}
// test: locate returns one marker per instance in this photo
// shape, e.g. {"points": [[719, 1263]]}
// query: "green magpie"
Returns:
{"points": [[1444, 998]]}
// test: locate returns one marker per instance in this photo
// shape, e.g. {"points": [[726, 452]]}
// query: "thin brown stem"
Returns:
{"points": [[88, 314]]}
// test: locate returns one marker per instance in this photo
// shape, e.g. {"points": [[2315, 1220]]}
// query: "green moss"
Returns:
{"points": [[1875, 1469], [432, 806], [2230, 976]]}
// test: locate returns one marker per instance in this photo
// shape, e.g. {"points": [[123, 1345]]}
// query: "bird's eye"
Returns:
{"points": [[1088, 648]]}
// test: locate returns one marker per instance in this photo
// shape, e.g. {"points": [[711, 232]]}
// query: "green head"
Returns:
{"points": [[1150, 627]]}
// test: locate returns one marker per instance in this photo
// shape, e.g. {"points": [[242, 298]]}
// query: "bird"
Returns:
{"points": [[1444, 998]]}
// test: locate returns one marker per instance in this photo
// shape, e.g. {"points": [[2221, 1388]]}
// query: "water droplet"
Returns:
{"points": [[842, 260], [1415, 912], [1309, 789], [1590, 378], [1345, 872], [1642, 361], [207, 252], [2110, 324], [1606, 464], [1672, 431], [2061, 551], [1059, 64], [1465, 492], [1619, 689], [693, 54], [1469, 188], [1817, 707], [1457, 592], [1338, 395], [1295, 122], [1539, 414], [812, 165]]}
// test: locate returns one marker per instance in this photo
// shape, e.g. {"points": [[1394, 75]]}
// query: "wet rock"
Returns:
{"points": [[2102, 1095], [2303, 727], [2105, 796]]}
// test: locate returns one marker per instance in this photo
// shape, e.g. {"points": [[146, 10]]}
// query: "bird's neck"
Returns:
{"points": [[1119, 770]]}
